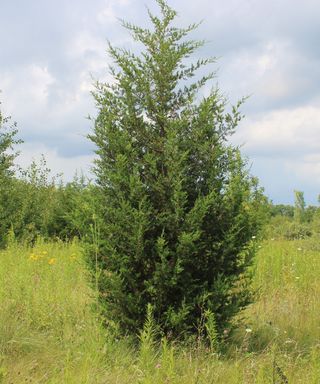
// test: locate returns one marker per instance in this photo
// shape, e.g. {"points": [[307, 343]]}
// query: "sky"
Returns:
{"points": [[52, 52]]}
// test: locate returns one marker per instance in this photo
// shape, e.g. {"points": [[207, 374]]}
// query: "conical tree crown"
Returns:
{"points": [[179, 206]]}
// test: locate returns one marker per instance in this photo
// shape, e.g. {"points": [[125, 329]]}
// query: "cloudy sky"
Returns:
{"points": [[269, 49]]}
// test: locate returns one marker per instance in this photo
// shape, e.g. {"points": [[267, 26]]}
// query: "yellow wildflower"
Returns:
{"points": [[33, 257], [52, 261]]}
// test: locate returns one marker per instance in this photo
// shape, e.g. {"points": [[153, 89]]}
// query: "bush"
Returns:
{"points": [[295, 231], [179, 207], [36, 204]]}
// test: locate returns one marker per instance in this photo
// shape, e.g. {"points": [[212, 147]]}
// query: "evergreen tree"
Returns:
{"points": [[178, 205]]}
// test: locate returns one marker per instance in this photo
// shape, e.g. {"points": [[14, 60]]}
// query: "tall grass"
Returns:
{"points": [[288, 306], [48, 330], [51, 331]]}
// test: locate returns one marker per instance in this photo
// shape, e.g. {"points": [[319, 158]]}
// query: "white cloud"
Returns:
{"points": [[107, 14], [27, 88], [284, 146], [39, 79], [285, 132], [307, 169], [274, 72], [57, 163]]}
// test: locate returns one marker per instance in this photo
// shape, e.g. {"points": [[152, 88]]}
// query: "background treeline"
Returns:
{"points": [[293, 222], [35, 204]]}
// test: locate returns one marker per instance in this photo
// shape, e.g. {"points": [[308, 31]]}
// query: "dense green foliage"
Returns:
{"points": [[34, 204], [281, 210], [179, 207]]}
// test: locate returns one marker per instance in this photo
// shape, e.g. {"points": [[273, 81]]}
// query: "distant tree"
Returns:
{"points": [[7, 142], [282, 210], [299, 206], [179, 207], [80, 202]]}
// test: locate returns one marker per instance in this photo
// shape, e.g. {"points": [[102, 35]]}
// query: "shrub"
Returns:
{"points": [[179, 206], [295, 231]]}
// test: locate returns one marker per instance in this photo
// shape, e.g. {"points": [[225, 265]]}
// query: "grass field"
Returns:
{"points": [[51, 332]]}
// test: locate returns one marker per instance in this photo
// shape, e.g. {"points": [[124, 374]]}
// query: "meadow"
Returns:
{"points": [[51, 330]]}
